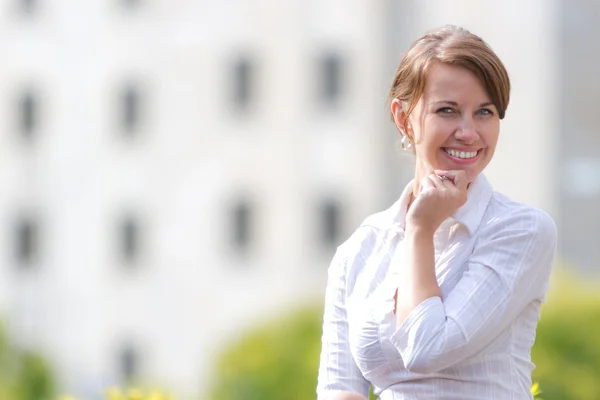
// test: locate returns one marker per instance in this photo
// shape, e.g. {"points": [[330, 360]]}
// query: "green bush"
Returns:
{"points": [[567, 348], [23, 375], [284, 353]]}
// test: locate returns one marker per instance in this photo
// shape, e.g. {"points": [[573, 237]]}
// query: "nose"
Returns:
{"points": [[466, 132]]}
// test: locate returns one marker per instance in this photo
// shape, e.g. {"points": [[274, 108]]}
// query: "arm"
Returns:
{"points": [[337, 371], [417, 281], [510, 267], [437, 200]]}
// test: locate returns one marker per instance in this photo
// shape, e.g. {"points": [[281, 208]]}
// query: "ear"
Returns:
{"points": [[399, 114]]}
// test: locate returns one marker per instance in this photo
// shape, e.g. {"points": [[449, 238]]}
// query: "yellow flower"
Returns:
{"points": [[135, 394], [158, 396], [114, 393], [535, 389]]}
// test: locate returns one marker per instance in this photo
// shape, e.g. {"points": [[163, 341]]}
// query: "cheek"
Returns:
{"points": [[491, 140], [435, 134], [425, 132], [491, 134]]}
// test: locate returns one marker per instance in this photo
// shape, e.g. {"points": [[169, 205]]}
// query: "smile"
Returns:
{"points": [[461, 154]]}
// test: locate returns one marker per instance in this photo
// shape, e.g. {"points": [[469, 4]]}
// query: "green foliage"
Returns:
{"points": [[23, 375], [282, 355], [567, 348]]}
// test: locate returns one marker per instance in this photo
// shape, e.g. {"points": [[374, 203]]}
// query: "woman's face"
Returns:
{"points": [[454, 125]]}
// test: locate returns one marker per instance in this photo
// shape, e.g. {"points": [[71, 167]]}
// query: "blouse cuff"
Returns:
{"points": [[420, 325]]}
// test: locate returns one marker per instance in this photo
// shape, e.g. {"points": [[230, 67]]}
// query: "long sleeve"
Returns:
{"points": [[509, 268], [337, 371]]}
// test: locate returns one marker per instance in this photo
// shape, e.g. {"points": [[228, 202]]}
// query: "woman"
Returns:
{"points": [[439, 296]]}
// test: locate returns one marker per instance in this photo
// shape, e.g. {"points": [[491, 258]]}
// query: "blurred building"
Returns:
{"points": [[174, 172], [579, 156]]}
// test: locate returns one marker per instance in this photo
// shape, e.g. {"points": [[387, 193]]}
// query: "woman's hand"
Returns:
{"points": [[437, 200], [348, 396]]}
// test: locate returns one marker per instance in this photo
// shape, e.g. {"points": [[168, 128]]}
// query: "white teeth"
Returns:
{"points": [[461, 154]]}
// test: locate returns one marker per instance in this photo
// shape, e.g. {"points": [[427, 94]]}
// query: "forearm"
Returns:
{"points": [[417, 281]]}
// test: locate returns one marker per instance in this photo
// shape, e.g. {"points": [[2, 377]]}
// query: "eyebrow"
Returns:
{"points": [[487, 103]]}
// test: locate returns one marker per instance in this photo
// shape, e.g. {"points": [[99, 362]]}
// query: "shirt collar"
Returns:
{"points": [[469, 215], [478, 197]]}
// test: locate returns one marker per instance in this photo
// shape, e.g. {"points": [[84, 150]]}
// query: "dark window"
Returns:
{"points": [[27, 6], [129, 236], [26, 238], [331, 218], [243, 79], [28, 113], [242, 226], [130, 108], [128, 363], [130, 3], [331, 74]]}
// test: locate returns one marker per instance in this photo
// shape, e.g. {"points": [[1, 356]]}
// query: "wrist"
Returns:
{"points": [[419, 230]]}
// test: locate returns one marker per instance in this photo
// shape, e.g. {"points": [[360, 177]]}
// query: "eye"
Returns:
{"points": [[485, 111], [445, 110]]}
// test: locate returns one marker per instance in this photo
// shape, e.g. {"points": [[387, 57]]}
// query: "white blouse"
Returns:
{"points": [[493, 261]]}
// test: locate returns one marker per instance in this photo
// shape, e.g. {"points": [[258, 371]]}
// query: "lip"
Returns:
{"points": [[462, 161]]}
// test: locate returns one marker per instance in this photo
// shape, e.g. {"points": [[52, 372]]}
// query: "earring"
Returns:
{"points": [[406, 143]]}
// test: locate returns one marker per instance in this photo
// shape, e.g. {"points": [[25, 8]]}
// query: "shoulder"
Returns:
{"points": [[372, 236], [517, 242], [376, 227], [506, 217], [365, 237]]}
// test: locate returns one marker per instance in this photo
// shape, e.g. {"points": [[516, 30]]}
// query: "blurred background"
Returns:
{"points": [[176, 175]]}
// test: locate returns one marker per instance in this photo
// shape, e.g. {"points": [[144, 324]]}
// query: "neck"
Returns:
{"points": [[420, 173]]}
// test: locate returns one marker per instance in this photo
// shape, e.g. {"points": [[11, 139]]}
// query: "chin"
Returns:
{"points": [[472, 175]]}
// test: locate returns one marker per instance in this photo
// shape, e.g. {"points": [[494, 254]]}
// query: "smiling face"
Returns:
{"points": [[454, 125]]}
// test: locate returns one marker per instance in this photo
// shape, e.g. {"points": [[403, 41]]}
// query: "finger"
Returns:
{"points": [[458, 177], [460, 180], [348, 396], [447, 174], [427, 183], [448, 182], [437, 181], [442, 176]]}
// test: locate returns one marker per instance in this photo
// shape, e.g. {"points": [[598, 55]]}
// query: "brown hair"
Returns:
{"points": [[451, 45]]}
